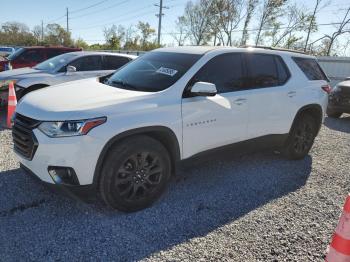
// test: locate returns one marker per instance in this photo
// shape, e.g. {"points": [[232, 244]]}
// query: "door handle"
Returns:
{"points": [[240, 101], [292, 93]]}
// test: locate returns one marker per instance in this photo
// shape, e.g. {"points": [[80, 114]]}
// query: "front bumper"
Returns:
{"points": [[339, 103], [80, 153], [86, 193]]}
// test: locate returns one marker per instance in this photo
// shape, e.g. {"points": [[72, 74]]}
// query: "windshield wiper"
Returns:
{"points": [[123, 84]]}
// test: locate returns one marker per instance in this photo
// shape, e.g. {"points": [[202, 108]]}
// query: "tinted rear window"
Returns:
{"points": [[114, 62], [266, 71], [311, 68], [88, 63]]}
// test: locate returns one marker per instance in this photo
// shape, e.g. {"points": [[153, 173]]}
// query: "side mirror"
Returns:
{"points": [[203, 89], [71, 69]]}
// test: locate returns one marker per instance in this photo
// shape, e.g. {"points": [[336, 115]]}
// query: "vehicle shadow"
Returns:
{"points": [[205, 194], [339, 124]]}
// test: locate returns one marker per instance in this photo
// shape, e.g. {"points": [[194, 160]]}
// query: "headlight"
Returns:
{"points": [[336, 89], [70, 128], [4, 84]]}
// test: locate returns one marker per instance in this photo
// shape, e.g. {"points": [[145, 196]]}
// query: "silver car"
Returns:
{"points": [[60, 69]]}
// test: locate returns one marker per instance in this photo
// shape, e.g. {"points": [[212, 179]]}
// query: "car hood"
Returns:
{"points": [[21, 73], [82, 99]]}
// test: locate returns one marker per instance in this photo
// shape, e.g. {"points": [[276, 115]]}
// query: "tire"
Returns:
{"points": [[333, 114], [301, 137], [135, 174]]}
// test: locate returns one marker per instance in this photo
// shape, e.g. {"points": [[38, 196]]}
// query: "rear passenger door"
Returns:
{"points": [[112, 63], [268, 94]]}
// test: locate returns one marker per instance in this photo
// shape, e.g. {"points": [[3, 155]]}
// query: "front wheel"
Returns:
{"points": [[135, 174], [301, 137]]}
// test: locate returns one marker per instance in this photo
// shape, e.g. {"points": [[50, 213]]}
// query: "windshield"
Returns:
{"points": [[153, 72], [55, 63], [15, 54]]}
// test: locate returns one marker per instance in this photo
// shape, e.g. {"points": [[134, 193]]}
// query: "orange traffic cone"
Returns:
{"points": [[11, 104], [339, 250]]}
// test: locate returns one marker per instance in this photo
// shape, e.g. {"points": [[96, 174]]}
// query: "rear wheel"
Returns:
{"points": [[135, 174], [301, 137], [333, 114]]}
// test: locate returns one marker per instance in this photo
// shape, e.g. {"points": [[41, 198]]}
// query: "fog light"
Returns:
{"points": [[63, 175]]}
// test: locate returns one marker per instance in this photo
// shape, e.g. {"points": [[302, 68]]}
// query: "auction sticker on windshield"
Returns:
{"points": [[166, 71]]}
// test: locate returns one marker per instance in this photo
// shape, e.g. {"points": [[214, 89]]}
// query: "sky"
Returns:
{"points": [[88, 18]]}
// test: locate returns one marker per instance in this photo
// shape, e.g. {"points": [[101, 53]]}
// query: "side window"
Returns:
{"points": [[114, 62], [225, 71], [88, 63], [262, 71], [53, 53], [32, 56], [310, 68], [282, 70]]}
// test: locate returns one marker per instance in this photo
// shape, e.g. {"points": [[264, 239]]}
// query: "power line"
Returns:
{"points": [[101, 10], [120, 20], [67, 14], [56, 19], [88, 7]]}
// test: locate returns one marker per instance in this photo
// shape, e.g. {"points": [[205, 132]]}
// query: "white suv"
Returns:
{"points": [[122, 137]]}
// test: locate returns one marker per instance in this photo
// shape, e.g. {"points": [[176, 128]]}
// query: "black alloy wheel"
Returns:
{"points": [[135, 173], [138, 176]]}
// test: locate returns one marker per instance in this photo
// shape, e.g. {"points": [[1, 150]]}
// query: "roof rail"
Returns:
{"points": [[274, 48]]}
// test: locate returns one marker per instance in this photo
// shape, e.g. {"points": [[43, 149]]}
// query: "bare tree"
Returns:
{"points": [[114, 36], [271, 10], [181, 34], [312, 21], [37, 33], [197, 21], [342, 28], [229, 15], [250, 8], [284, 35]]}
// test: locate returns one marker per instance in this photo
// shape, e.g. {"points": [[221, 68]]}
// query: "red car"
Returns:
{"points": [[30, 56]]}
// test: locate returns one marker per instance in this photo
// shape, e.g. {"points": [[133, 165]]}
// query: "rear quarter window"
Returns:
{"points": [[266, 70], [310, 68]]}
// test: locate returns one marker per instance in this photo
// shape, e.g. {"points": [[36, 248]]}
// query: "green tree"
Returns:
{"points": [[114, 37], [146, 33], [15, 33], [81, 43], [57, 35], [271, 10]]}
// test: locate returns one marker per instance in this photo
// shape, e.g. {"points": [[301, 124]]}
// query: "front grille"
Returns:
{"points": [[25, 142]]}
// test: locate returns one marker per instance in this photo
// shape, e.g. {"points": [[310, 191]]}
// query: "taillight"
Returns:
{"points": [[327, 89]]}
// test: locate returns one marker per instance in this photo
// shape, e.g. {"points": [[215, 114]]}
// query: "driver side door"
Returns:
{"points": [[86, 67], [214, 121]]}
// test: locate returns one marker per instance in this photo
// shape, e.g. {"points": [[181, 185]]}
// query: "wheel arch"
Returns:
{"points": [[33, 88], [163, 134], [315, 110]]}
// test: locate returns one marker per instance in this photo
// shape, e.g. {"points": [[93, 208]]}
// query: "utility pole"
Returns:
{"points": [[67, 20], [160, 15], [42, 31]]}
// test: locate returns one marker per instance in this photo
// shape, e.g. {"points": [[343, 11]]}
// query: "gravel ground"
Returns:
{"points": [[256, 207]]}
